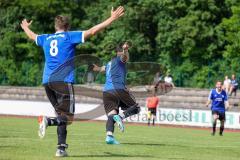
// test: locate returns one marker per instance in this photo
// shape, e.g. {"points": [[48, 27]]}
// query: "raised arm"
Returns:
{"points": [[98, 69], [25, 26], [115, 14], [125, 55]]}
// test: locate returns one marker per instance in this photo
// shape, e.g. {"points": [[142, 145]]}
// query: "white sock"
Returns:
{"points": [[122, 115], [109, 133]]}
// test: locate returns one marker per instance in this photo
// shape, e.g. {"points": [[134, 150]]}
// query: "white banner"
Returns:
{"points": [[33, 108], [188, 117], [201, 118]]}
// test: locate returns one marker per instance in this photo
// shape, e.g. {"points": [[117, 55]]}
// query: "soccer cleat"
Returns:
{"points": [[43, 124], [61, 153], [119, 122], [213, 133], [220, 134], [111, 140]]}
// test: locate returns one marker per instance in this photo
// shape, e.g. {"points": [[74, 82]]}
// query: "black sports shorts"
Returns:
{"points": [[221, 115], [115, 99], [153, 111], [61, 96]]}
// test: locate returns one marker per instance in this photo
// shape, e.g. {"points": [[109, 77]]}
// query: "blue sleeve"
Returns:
{"points": [[76, 37], [210, 97], [40, 39], [226, 97]]}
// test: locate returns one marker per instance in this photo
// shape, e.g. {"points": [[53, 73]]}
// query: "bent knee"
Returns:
{"points": [[70, 119], [138, 109]]}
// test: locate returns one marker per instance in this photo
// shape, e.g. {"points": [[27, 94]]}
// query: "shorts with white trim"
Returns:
{"points": [[61, 96]]}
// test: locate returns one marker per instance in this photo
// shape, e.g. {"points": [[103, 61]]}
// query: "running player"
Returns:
{"points": [[152, 103], [220, 103], [115, 93], [58, 48]]}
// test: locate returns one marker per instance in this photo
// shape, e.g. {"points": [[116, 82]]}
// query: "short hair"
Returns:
{"points": [[62, 22], [219, 81], [119, 48]]}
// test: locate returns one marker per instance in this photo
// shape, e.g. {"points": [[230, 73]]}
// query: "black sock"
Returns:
{"points": [[221, 129], [110, 124], [149, 122], [62, 136], [214, 126], [58, 121], [131, 111], [153, 122]]}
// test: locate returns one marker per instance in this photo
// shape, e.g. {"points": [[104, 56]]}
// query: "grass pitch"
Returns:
{"points": [[19, 141]]}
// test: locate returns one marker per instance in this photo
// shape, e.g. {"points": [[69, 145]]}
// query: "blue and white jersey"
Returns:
{"points": [[115, 74], [58, 49], [234, 83], [218, 100]]}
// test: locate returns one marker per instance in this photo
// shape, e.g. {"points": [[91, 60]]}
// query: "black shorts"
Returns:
{"points": [[153, 111], [235, 89], [115, 99], [221, 115], [61, 96]]}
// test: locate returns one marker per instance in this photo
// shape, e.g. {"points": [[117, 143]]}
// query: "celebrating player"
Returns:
{"points": [[219, 100], [58, 48], [152, 103], [115, 93]]}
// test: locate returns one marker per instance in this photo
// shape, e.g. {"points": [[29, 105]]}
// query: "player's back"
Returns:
{"points": [[115, 74], [58, 49]]}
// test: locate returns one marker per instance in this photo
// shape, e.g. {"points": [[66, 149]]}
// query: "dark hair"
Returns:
{"points": [[119, 48], [62, 22]]}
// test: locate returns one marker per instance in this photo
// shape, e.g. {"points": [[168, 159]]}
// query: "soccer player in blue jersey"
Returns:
{"points": [[234, 86], [219, 104], [115, 93], [59, 48]]}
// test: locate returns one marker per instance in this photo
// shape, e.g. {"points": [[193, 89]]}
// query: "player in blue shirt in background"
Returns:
{"points": [[219, 104], [115, 93], [234, 86], [59, 48]]}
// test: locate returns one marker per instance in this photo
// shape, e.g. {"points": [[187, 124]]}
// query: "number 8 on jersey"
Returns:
{"points": [[53, 48]]}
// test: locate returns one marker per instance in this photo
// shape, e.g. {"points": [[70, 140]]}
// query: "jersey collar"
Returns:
{"points": [[217, 91], [59, 32]]}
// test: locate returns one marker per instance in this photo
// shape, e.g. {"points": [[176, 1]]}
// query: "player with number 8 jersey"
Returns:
{"points": [[59, 48]]}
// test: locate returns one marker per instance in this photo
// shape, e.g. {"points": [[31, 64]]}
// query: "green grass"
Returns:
{"points": [[19, 141]]}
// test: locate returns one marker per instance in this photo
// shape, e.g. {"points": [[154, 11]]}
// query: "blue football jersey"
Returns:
{"points": [[218, 100], [115, 74], [58, 49]]}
